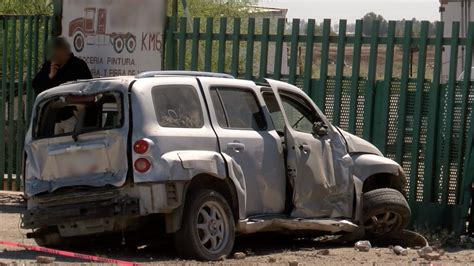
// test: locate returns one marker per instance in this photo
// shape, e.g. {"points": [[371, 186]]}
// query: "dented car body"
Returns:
{"points": [[208, 155]]}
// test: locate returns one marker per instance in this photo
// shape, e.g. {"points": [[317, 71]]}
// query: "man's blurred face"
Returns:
{"points": [[59, 55]]}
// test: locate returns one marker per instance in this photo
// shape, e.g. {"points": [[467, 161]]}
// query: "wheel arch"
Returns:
{"points": [[378, 172], [383, 180], [224, 186], [201, 169]]}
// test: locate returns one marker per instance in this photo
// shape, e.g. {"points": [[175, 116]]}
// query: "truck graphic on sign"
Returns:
{"points": [[92, 30]]}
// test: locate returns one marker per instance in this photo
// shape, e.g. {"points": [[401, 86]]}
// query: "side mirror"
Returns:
{"points": [[320, 129]]}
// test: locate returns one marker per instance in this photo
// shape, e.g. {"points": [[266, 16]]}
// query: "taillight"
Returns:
{"points": [[142, 165], [141, 146]]}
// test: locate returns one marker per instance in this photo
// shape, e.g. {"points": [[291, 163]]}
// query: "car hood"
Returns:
{"points": [[359, 145]]}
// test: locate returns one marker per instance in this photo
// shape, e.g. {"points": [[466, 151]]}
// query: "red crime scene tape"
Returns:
{"points": [[68, 254]]}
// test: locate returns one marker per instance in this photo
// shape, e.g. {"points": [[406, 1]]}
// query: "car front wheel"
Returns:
{"points": [[385, 211], [208, 229]]}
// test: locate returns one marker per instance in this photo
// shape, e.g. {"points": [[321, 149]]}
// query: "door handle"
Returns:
{"points": [[236, 146], [305, 148]]}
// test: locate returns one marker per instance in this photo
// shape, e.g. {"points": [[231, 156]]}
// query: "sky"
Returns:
{"points": [[355, 9]]}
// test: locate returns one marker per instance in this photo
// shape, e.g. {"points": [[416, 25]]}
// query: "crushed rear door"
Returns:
{"points": [[78, 137]]}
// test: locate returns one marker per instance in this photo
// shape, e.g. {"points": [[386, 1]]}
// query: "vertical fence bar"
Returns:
{"points": [[420, 83], [295, 32], [234, 67], [36, 44], [465, 195], [432, 132], [195, 44], [370, 86], [308, 61], [355, 75], [323, 76], [11, 103], [170, 43], [279, 48], [250, 49], [208, 47], [5, 26], [29, 69], [182, 43], [264, 49], [19, 113], [341, 47], [466, 86], [222, 42], [403, 92], [45, 38], [382, 103], [450, 108]]}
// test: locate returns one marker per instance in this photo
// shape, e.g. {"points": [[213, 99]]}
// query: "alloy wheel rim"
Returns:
{"points": [[212, 227], [383, 223]]}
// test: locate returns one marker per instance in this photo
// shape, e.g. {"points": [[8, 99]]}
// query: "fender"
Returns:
{"points": [[367, 165], [185, 165]]}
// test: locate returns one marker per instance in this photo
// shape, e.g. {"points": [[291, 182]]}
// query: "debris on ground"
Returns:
{"points": [[272, 260], [45, 260], [323, 252], [293, 263], [399, 250], [432, 256], [362, 245], [11, 198], [428, 253], [239, 255], [327, 238]]}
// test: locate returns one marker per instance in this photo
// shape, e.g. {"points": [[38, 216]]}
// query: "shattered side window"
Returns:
{"points": [[177, 106], [72, 114]]}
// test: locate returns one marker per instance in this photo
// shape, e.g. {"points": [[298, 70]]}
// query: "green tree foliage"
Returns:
{"points": [[215, 8], [368, 20], [26, 7]]}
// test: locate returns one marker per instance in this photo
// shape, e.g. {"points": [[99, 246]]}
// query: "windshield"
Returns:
{"points": [[73, 115]]}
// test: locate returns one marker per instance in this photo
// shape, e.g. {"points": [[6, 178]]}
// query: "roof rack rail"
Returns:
{"points": [[150, 74]]}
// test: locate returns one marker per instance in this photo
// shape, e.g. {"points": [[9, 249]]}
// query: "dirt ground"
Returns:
{"points": [[259, 250]]}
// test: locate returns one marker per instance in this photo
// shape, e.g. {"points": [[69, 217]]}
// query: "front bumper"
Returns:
{"points": [[45, 216]]}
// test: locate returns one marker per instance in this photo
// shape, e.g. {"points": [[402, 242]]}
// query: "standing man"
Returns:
{"points": [[62, 67]]}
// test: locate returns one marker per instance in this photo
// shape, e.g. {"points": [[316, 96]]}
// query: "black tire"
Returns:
{"points": [[189, 239], [49, 237], [385, 211]]}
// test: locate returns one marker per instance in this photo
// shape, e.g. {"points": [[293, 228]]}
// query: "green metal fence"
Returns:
{"points": [[386, 89], [22, 50]]}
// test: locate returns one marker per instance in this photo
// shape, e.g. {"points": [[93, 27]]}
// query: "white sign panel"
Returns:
{"points": [[116, 37]]}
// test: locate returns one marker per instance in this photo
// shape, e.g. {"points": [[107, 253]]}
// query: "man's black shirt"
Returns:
{"points": [[74, 69]]}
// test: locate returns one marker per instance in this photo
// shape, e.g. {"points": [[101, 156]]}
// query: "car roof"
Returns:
{"points": [[73, 85]]}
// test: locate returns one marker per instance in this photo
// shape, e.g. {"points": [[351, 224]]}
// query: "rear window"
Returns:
{"points": [[69, 114], [177, 106]]}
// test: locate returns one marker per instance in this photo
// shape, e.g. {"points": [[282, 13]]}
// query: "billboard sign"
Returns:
{"points": [[116, 37]]}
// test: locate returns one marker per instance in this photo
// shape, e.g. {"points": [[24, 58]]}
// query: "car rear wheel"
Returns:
{"points": [[208, 229], [385, 211]]}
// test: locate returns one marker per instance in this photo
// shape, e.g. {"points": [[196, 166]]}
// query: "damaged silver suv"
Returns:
{"points": [[201, 157]]}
